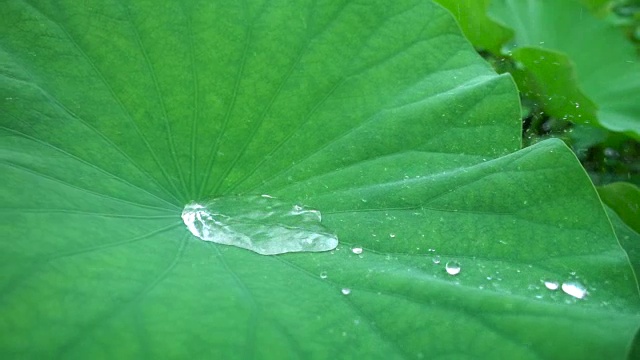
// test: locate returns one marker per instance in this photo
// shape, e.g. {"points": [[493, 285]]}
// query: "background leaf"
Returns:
{"points": [[628, 237], [610, 79], [116, 114], [482, 31], [624, 199]]}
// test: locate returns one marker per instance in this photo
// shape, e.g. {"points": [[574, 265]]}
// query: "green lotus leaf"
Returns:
{"points": [[114, 115]]}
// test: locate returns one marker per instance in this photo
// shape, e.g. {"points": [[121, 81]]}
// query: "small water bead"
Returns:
{"points": [[551, 285], [346, 291], [574, 289], [452, 268], [611, 153], [357, 250], [436, 259], [392, 235], [323, 275]]}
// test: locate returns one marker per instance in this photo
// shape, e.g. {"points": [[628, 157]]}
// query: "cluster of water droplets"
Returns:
{"points": [[343, 291], [269, 226], [573, 288], [451, 267]]}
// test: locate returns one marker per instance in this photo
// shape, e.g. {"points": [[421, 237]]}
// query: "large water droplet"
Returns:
{"points": [[551, 285], [262, 224], [574, 289], [346, 291], [453, 268]]}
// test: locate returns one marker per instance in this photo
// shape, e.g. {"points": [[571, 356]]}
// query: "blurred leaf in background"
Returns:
{"points": [[483, 32], [577, 69], [606, 67], [624, 199]]}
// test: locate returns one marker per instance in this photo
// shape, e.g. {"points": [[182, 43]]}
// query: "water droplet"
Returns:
{"points": [[436, 259], [357, 250], [259, 223], [574, 289], [551, 285], [611, 153], [346, 291], [392, 235], [323, 275], [453, 268]]}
